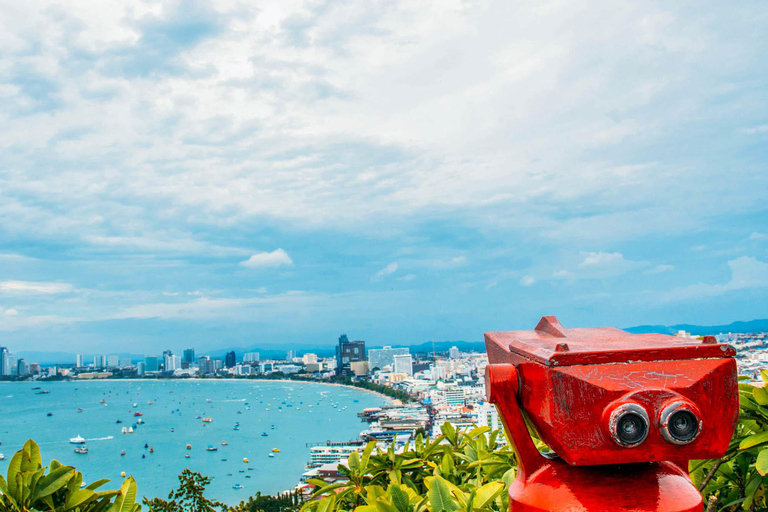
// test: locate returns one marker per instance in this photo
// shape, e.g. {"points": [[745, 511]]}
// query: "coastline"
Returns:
{"points": [[228, 379]]}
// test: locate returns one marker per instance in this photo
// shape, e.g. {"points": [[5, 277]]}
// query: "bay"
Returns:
{"points": [[301, 413]]}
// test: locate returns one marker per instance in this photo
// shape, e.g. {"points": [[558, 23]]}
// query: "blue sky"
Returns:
{"points": [[230, 174]]}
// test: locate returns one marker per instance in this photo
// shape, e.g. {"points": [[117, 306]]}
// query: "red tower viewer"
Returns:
{"points": [[623, 414]]}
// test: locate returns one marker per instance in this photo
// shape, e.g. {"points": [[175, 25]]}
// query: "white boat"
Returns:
{"points": [[124, 431], [77, 440]]}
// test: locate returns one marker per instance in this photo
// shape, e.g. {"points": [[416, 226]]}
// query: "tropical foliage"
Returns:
{"points": [[456, 471], [30, 486], [739, 480]]}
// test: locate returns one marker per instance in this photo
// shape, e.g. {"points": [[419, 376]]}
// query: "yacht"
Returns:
{"points": [[77, 440], [81, 449]]}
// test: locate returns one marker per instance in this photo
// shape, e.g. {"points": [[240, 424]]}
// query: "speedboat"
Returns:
{"points": [[137, 413], [77, 440], [275, 450], [224, 443], [81, 449], [264, 434], [237, 486], [271, 454], [211, 448]]}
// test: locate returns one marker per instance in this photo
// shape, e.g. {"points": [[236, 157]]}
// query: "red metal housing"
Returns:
{"points": [[586, 391]]}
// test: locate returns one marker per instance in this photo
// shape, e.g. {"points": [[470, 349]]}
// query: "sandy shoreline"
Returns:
{"points": [[197, 379]]}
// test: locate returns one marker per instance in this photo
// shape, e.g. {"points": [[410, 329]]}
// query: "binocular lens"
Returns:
{"points": [[683, 425], [631, 428]]}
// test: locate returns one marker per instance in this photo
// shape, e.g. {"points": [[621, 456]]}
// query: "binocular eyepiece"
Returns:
{"points": [[678, 423]]}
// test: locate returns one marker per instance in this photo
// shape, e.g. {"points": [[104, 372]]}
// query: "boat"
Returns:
{"points": [[2, 457], [271, 454], [77, 440], [49, 414], [264, 434], [135, 405], [81, 449], [224, 443], [122, 474], [83, 485], [236, 427], [245, 459], [207, 420], [122, 452], [102, 401], [275, 450], [237, 486], [186, 455], [124, 430], [150, 402], [42, 392], [119, 421], [189, 446], [130, 430], [137, 413], [151, 450], [211, 448], [140, 421]]}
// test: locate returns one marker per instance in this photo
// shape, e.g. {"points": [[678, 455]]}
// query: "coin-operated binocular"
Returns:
{"points": [[622, 413]]}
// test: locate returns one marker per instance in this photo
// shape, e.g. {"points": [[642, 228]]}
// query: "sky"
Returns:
{"points": [[236, 174]]}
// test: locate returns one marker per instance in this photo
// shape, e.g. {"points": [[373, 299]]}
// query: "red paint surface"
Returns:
{"points": [[567, 382]]}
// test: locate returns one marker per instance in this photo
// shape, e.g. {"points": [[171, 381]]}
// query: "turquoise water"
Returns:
{"points": [[301, 414]]}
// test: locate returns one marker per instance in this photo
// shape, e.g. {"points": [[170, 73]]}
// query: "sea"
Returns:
{"points": [[249, 421]]}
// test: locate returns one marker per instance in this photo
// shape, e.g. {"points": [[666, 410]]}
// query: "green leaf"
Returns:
{"points": [[487, 493], [13, 470], [440, 496], [326, 504], [754, 440], [761, 464], [34, 453], [399, 498], [98, 483], [52, 482], [760, 395], [78, 498]]}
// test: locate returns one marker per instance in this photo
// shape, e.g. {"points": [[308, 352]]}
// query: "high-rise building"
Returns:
{"points": [[9, 363], [453, 353], [189, 356], [381, 357], [98, 362], [309, 358], [113, 361], [3, 351], [172, 363], [251, 357], [151, 364], [218, 364], [403, 364], [141, 368], [205, 365], [80, 361], [125, 362], [230, 359], [290, 355], [348, 352], [22, 368]]}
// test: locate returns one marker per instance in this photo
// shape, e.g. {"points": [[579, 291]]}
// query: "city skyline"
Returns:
{"points": [[217, 175]]}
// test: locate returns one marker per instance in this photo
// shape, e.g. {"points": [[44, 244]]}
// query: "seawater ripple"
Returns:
{"points": [[300, 412]]}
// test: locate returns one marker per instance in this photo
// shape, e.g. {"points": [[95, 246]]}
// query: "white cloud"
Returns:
{"points": [[407, 277], [13, 257], [763, 128], [490, 285], [758, 236], [386, 271], [276, 258], [658, 269], [31, 287], [9, 312], [746, 272], [593, 259], [562, 274], [527, 280]]}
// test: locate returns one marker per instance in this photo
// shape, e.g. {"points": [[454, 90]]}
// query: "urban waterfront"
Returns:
{"points": [[301, 413]]}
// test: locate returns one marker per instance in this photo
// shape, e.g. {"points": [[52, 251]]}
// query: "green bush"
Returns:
{"points": [[30, 486]]}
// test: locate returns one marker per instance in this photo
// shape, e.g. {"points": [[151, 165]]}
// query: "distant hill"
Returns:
{"points": [[701, 330]]}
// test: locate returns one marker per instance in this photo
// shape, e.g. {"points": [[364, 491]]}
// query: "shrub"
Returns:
{"points": [[31, 486]]}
